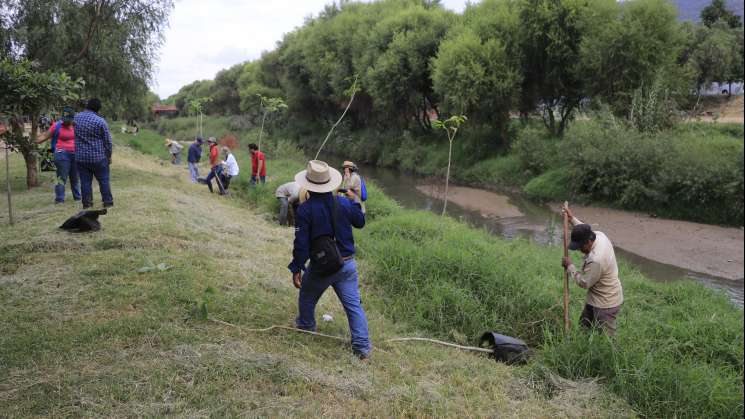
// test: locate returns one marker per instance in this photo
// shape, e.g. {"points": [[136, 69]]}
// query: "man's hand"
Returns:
{"points": [[297, 279], [565, 210], [566, 262], [351, 195]]}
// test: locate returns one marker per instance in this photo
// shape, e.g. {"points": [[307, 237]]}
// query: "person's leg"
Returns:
{"points": [[86, 184], [226, 182], [74, 179], [102, 173], [587, 318], [193, 172], [311, 291], [253, 180], [606, 319], [346, 286], [283, 204], [62, 163], [263, 180], [208, 179]]}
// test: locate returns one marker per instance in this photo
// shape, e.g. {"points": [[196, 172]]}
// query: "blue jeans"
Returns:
{"points": [[99, 170], [255, 179], [345, 285], [216, 172], [66, 169], [194, 172]]}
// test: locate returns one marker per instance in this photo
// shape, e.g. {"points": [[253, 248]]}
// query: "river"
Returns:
{"points": [[664, 250]]}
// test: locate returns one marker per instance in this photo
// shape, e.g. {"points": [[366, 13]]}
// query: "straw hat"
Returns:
{"points": [[349, 164], [319, 177], [168, 142]]}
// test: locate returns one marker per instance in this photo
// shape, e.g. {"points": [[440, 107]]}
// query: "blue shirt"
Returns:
{"points": [[313, 220], [92, 138], [195, 153]]}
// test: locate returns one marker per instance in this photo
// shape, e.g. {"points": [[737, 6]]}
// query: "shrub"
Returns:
{"points": [[554, 185]]}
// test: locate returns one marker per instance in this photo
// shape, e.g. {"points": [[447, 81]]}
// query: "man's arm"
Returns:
{"points": [[259, 167], [588, 277], [301, 249], [353, 210], [574, 220], [108, 145], [43, 137]]}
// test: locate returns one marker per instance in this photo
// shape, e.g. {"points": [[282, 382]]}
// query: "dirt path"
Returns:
{"points": [[697, 247]]}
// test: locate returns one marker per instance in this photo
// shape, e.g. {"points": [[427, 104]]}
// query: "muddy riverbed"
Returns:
{"points": [[664, 250]]}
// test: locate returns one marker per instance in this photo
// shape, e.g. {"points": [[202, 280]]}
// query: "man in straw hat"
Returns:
{"points": [[325, 216], [175, 149]]}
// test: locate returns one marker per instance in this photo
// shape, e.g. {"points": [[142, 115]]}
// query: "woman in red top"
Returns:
{"points": [[258, 165], [62, 134]]}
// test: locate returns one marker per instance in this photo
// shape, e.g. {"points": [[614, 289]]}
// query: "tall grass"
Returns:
{"points": [[678, 352]]}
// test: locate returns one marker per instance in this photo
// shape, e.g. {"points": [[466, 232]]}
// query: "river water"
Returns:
{"points": [[514, 216]]}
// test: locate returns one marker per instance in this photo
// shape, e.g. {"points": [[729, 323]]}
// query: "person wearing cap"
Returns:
{"points": [[313, 221], [193, 156], [175, 149], [93, 149], [215, 167], [62, 134], [229, 171], [599, 275], [353, 181], [258, 165], [288, 196]]}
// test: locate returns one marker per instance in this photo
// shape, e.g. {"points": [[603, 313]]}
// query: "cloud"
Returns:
{"points": [[206, 36]]}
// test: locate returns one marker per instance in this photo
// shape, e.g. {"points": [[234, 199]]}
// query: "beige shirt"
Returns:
{"points": [[290, 190], [354, 182], [599, 274]]}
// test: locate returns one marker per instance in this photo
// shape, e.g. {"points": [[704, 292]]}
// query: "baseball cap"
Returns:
{"points": [[68, 114], [581, 233]]}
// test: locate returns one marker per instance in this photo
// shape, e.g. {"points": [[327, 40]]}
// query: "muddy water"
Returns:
{"points": [[663, 250]]}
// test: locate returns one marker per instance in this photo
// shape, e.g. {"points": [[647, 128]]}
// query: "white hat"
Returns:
{"points": [[319, 177]]}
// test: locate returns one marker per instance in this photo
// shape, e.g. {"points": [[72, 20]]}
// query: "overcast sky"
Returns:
{"points": [[206, 36]]}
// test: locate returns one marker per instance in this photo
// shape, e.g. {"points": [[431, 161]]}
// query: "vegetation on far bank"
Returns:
{"points": [[678, 352]]}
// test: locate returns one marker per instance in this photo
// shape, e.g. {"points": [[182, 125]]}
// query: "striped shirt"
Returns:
{"points": [[92, 138]]}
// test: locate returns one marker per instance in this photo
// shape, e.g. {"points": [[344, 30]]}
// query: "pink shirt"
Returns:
{"points": [[66, 139]]}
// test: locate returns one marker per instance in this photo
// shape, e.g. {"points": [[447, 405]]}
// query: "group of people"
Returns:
{"points": [[82, 147]]}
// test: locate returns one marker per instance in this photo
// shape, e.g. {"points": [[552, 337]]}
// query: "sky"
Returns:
{"points": [[206, 36]]}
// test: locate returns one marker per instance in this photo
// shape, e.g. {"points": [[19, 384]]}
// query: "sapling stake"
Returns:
{"points": [[270, 105], [450, 126], [354, 89]]}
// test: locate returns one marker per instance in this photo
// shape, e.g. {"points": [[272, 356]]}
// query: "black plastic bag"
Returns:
{"points": [[506, 349]]}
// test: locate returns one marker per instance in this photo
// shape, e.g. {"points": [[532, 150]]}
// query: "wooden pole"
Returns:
{"points": [[566, 271], [7, 180]]}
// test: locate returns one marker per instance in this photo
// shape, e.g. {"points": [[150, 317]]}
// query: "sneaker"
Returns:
{"points": [[108, 204]]}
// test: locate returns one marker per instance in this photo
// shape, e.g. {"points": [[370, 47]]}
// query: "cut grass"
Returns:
{"points": [[86, 334]]}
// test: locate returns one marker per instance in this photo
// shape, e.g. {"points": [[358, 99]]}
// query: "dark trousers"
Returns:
{"points": [[603, 318], [99, 170]]}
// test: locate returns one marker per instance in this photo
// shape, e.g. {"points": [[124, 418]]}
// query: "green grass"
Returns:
{"points": [[678, 352], [86, 334]]}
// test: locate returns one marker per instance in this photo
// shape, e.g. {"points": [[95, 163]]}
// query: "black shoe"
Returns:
{"points": [[108, 204]]}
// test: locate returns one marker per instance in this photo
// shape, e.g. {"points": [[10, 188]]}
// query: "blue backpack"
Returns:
{"points": [[363, 190]]}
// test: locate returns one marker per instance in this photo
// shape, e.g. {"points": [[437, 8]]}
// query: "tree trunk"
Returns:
{"points": [[32, 175]]}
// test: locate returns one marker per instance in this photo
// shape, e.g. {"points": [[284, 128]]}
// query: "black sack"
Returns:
{"points": [[325, 257], [506, 349], [47, 161], [83, 221]]}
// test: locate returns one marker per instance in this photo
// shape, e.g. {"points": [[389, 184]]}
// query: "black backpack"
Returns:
{"points": [[325, 257]]}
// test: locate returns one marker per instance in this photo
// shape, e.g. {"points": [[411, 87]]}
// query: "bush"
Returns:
{"points": [[536, 150], [554, 185], [495, 172]]}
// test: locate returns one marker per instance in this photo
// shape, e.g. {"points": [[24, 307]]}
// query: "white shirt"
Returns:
{"points": [[232, 165]]}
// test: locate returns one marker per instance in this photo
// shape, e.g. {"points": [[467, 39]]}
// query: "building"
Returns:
{"points": [[159, 110]]}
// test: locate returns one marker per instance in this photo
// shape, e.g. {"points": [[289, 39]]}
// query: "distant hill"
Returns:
{"points": [[691, 9]]}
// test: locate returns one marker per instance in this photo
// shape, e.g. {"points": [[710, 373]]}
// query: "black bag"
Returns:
{"points": [[325, 257], [507, 349], [84, 221], [47, 161]]}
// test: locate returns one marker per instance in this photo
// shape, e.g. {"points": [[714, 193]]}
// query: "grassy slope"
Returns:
{"points": [[85, 334]]}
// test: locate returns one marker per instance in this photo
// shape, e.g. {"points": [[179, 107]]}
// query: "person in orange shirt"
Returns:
{"points": [[258, 165], [214, 163]]}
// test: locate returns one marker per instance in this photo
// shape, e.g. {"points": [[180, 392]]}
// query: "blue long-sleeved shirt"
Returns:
{"points": [[313, 219], [195, 153], [92, 138]]}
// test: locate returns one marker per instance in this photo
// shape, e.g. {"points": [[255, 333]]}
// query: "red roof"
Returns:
{"points": [[164, 108]]}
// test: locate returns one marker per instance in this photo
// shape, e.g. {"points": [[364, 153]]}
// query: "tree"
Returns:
{"points": [[716, 12], [450, 126], [196, 108], [112, 44], [270, 105], [717, 55], [26, 92]]}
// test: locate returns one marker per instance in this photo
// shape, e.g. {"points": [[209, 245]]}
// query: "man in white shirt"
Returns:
{"points": [[599, 276], [229, 170]]}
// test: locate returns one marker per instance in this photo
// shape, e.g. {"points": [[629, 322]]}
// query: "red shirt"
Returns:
{"points": [[255, 158], [66, 139], [214, 154]]}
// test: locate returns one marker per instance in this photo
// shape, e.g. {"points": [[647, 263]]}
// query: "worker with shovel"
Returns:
{"points": [[599, 275]]}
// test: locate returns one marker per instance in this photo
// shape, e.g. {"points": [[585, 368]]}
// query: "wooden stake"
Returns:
{"points": [[566, 271]]}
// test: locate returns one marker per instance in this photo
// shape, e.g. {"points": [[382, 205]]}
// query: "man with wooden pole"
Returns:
{"points": [[599, 275]]}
